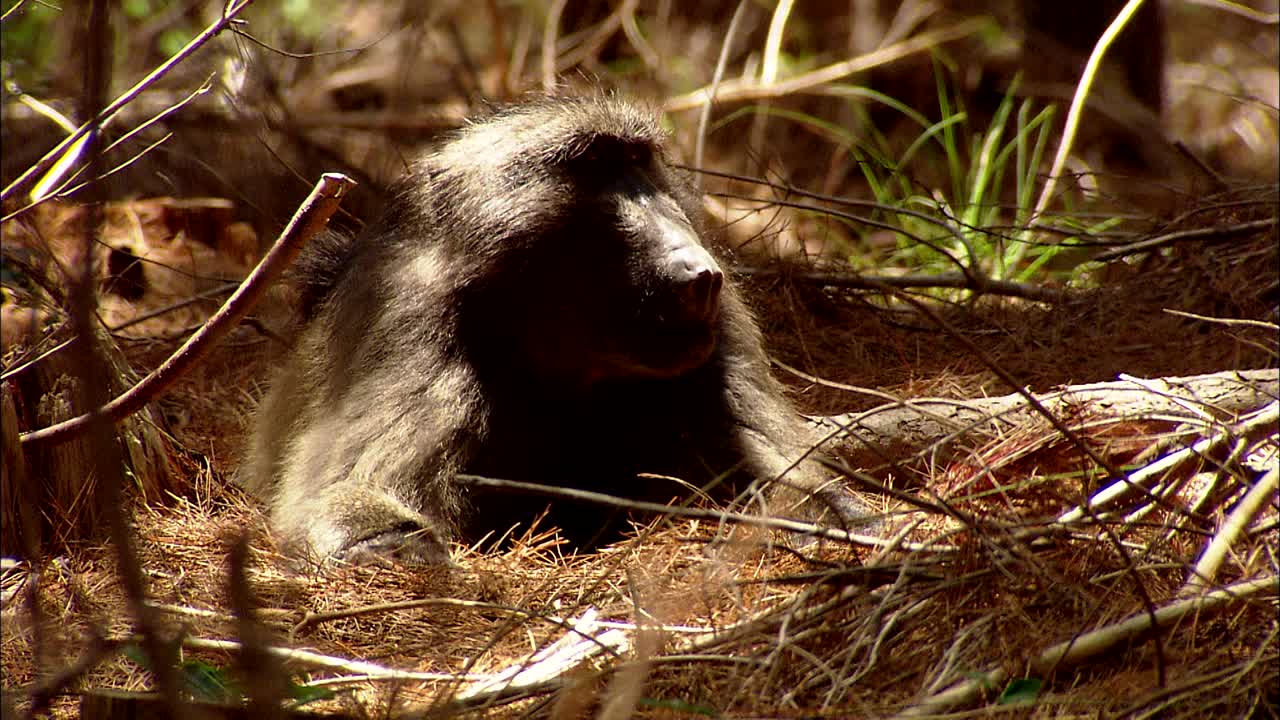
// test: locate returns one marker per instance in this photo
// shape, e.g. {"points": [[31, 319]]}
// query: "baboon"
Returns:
{"points": [[536, 303]]}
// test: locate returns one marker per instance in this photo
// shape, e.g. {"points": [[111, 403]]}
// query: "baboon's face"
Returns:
{"points": [[619, 285], [655, 290]]}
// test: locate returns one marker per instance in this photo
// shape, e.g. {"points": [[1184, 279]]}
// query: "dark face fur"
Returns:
{"points": [[612, 254], [633, 291]]}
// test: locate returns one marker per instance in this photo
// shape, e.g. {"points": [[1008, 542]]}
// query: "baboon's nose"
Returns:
{"points": [[693, 276], [701, 293]]}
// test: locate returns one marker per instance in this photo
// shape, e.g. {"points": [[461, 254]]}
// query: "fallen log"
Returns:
{"points": [[896, 430]]}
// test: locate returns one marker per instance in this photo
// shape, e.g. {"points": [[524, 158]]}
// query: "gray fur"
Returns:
{"points": [[512, 315]]}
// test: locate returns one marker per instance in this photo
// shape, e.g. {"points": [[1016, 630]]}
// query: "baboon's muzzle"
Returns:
{"points": [[682, 280], [690, 277], [698, 290]]}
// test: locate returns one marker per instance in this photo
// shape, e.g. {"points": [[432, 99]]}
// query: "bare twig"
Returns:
{"points": [[315, 659], [64, 189], [315, 618], [1159, 241], [547, 665], [310, 218], [772, 523], [1264, 421], [975, 282], [1203, 574], [101, 118], [1229, 322]]}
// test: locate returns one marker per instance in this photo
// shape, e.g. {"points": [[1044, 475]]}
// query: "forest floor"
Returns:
{"points": [[1099, 557]]}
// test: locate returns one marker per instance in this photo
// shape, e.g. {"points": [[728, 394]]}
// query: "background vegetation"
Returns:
{"points": [[935, 205]]}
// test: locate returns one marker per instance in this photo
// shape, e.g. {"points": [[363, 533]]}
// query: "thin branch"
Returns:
{"points": [[310, 219], [105, 115], [329, 662], [977, 283], [1125, 484], [1214, 233], [1229, 322], [772, 523], [1232, 528], [316, 618]]}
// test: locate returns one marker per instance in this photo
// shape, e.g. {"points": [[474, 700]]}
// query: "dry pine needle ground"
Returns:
{"points": [[967, 601]]}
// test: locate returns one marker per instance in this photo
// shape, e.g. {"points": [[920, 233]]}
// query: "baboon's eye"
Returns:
{"points": [[610, 154], [637, 154]]}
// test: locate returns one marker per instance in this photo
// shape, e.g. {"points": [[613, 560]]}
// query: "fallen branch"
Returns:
{"points": [[327, 662], [1262, 423], [546, 668], [901, 427], [1232, 528]]}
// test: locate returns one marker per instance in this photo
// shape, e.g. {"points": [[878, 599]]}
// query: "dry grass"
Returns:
{"points": [[730, 621], [1122, 326], [985, 593]]}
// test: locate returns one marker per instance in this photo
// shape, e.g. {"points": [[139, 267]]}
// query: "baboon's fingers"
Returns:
{"points": [[413, 546]]}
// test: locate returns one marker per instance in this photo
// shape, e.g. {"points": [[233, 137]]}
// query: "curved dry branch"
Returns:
{"points": [[311, 217]]}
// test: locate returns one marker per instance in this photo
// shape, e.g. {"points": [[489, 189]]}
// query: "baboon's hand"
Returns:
{"points": [[410, 546], [836, 506], [832, 506]]}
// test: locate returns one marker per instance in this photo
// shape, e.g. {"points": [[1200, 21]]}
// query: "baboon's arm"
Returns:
{"points": [[776, 448], [372, 479]]}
